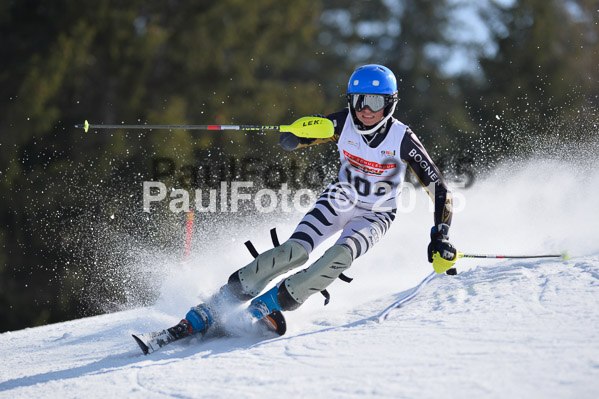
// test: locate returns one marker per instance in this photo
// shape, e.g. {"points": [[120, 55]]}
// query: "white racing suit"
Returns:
{"points": [[360, 204]]}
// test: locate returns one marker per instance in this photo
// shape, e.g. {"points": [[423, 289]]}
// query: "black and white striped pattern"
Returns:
{"points": [[333, 212]]}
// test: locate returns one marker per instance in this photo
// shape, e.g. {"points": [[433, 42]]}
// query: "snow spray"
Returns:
{"points": [[541, 202]]}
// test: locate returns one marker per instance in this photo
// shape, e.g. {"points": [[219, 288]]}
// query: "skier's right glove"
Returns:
{"points": [[290, 142], [440, 243]]}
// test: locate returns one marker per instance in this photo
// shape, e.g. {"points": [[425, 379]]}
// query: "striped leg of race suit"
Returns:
{"points": [[361, 228], [364, 230]]}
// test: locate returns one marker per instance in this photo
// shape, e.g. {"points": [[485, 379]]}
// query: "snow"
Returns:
{"points": [[501, 328]]}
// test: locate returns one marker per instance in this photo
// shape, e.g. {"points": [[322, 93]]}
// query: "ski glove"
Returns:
{"points": [[290, 142], [439, 243]]}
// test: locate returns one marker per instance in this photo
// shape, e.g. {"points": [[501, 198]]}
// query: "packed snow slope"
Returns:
{"points": [[507, 328]]}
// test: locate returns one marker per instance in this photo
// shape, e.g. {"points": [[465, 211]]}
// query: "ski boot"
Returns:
{"points": [[213, 314], [267, 309], [197, 320]]}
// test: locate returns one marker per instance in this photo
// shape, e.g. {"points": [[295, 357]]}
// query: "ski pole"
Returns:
{"points": [[308, 126], [400, 302], [441, 265], [562, 255], [439, 269]]}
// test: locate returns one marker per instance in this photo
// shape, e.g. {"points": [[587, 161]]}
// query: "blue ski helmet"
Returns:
{"points": [[373, 86]]}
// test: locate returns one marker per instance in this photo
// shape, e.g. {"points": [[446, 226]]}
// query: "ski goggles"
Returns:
{"points": [[375, 102]]}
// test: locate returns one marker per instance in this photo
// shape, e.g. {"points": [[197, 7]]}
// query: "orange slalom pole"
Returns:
{"points": [[188, 234]]}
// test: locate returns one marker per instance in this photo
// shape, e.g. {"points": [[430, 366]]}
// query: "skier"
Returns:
{"points": [[375, 151]]}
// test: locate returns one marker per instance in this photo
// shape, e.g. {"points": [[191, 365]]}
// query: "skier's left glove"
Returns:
{"points": [[440, 243]]}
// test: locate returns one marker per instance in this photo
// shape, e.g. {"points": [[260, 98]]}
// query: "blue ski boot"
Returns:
{"points": [[198, 319], [267, 309], [213, 314]]}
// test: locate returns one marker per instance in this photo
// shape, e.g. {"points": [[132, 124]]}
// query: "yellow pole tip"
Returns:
{"points": [[86, 126]]}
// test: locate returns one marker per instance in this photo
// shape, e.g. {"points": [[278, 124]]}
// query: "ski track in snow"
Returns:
{"points": [[500, 329]]}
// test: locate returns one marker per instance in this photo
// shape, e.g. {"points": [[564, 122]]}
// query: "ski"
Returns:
{"points": [[151, 342], [145, 348]]}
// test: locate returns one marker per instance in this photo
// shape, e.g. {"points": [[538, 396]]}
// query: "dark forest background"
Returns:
{"points": [[476, 93]]}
